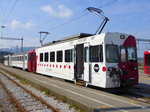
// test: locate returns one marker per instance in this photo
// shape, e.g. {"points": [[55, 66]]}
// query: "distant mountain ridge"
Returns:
{"points": [[14, 50]]}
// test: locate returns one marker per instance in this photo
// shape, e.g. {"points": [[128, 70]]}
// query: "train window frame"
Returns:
{"points": [[125, 57], [41, 57], [68, 58], [59, 56], [46, 57], [112, 60], [52, 56], [86, 54], [99, 53], [130, 56], [25, 57]]}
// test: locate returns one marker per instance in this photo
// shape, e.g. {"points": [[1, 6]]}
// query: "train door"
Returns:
{"points": [[86, 63], [23, 62], [33, 62], [79, 64]]}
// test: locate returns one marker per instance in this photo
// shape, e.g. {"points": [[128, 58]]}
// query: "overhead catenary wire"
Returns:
{"points": [[67, 22], [9, 13]]}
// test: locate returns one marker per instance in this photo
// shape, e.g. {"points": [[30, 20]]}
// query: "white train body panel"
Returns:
{"points": [[89, 75], [56, 69], [19, 60]]}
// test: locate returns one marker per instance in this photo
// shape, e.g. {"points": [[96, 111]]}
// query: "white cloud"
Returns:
{"points": [[17, 24], [62, 11]]}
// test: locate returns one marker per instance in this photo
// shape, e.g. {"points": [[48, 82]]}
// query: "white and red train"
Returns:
{"points": [[106, 60], [147, 62]]}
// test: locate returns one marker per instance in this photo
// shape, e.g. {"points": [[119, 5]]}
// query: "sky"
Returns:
{"points": [[26, 18]]}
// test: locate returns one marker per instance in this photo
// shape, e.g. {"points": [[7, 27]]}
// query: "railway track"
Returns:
{"points": [[24, 99]]}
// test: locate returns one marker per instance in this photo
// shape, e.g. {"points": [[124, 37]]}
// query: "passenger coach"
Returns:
{"points": [[18, 60], [106, 60]]}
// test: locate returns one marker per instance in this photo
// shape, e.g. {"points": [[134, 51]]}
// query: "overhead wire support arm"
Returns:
{"points": [[42, 39], [101, 27], [9, 38]]}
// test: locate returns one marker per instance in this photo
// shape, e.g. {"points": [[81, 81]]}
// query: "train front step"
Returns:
{"points": [[80, 83]]}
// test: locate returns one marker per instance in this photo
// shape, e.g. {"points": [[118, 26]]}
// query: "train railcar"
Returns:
{"points": [[19, 60], [7, 60], [147, 62], [106, 60]]}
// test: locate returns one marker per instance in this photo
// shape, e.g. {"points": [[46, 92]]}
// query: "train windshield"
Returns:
{"points": [[112, 53], [131, 54]]}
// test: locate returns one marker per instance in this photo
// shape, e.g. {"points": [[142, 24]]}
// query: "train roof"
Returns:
{"points": [[20, 53], [74, 37], [80, 35]]}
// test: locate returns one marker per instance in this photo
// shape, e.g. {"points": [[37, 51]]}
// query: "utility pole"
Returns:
{"points": [[9, 38], [22, 44], [17, 48]]}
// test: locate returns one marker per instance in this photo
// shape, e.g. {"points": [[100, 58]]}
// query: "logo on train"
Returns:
{"points": [[96, 67]]}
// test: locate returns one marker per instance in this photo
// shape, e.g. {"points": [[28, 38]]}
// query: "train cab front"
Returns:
{"points": [[122, 65], [128, 63]]}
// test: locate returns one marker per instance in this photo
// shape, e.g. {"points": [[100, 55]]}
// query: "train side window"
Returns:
{"points": [[96, 53], [52, 56], [46, 57], [41, 57], [68, 55], [59, 56], [86, 54], [123, 54], [25, 57]]}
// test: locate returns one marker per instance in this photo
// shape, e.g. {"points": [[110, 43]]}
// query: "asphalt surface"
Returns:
{"points": [[144, 81], [144, 78], [91, 98]]}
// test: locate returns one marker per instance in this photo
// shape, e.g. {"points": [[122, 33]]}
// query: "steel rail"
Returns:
{"points": [[35, 96], [19, 106]]}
